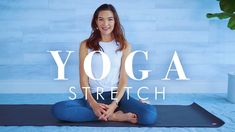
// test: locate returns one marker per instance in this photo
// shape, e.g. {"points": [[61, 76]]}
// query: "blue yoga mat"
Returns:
{"points": [[168, 116]]}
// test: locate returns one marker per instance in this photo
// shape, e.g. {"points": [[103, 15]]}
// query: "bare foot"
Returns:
{"points": [[120, 116], [132, 118]]}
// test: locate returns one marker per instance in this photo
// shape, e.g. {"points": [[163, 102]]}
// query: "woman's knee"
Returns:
{"points": [[58, 110], [148, 115]]}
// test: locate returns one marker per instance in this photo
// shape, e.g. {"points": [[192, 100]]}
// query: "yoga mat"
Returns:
{"points": [[168, 116]]}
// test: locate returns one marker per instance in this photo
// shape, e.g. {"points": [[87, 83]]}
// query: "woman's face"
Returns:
{"points": [[105, 22]]}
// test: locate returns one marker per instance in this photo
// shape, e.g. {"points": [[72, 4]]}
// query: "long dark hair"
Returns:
{"points": [[118, 33]]}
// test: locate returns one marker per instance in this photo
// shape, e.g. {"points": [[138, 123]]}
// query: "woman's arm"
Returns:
{"points": [[123, 75], [98, 108], [83, 51], [121, 86]]}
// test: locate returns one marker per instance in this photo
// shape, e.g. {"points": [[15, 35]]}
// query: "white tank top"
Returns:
{"points": [[112, 79]]}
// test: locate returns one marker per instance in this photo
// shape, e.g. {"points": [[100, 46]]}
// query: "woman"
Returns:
{"points": [[107, 36]]}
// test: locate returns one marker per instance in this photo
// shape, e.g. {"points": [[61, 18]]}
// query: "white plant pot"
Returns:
{"points": [[231, 87]]}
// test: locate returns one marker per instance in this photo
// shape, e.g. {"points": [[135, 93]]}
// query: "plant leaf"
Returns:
{"points": [[231, 23], [227, 6], [221, 15]]}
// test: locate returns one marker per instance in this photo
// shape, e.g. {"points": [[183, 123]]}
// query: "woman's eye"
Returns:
{"points": [[110, 19]]}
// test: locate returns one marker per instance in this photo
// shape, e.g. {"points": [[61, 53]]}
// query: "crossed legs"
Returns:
{"points": [[131, 110]]}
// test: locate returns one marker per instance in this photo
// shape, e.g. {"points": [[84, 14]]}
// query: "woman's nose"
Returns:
{"points": [[106, 22]]}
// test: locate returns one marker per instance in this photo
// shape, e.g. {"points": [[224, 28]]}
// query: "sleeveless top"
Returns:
{"points": [[112, 79]]}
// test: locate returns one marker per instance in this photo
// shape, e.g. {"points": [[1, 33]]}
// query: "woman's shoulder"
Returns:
{"points": [[127, 46], [83, 44]]}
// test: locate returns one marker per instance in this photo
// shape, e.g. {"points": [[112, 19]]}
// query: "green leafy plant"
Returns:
{"points": [[228, 12]]}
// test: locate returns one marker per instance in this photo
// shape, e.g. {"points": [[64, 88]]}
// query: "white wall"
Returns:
{"points": [[30, 28]]}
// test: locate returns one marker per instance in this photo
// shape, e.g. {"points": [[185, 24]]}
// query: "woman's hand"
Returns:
{"points": [[99, 109], [109, 111]]}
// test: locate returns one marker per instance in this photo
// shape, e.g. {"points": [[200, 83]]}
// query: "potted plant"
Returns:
{"points": [[228, 12]]}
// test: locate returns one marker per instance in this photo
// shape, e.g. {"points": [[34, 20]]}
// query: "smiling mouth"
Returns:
{"points": [[105, 28]]}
